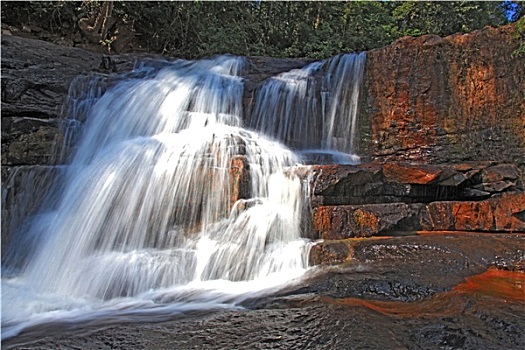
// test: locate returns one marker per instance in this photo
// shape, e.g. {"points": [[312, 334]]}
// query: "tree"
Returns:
{"points": [[309, 29], [446, 17]]}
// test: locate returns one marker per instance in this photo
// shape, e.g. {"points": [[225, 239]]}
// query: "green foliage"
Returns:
{"points": [[310, 29], [446, 17], [520, 36], [55, 16]]}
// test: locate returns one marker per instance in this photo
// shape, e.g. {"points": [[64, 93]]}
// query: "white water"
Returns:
{"points": [[144, 225], [308, 113]]}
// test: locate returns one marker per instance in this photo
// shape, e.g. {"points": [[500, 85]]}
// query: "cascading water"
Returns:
{"points": [[148, 222], [314, 116]]}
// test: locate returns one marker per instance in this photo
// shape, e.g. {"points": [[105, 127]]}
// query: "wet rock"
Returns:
{"points": [[447, 252], [340, 222], [408, 292], [332, 253], [499, 214], [18, 203], [240, 180]]}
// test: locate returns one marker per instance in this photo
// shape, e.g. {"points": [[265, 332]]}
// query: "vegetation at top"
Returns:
{"points": [[307, 29]]}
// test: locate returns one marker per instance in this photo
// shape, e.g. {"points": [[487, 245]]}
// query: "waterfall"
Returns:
{"points": [[151, 218], [314, 109]]}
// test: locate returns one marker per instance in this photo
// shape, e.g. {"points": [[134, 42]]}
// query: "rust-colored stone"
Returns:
{"points": [[365, 221], [239, 179], [507, 209], [438, 217], [497, 214], [410, 173], [473, 216], [407, 197], [341, 222], [447, 100]]}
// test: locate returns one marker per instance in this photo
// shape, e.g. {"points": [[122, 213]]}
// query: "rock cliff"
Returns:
{"points": [[435, 100]]}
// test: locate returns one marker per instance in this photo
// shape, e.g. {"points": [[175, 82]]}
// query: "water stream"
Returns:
{"points": [[147, 221]]}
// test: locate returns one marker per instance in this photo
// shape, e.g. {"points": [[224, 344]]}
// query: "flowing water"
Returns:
{"points": [[146, 220], [314, 115]]}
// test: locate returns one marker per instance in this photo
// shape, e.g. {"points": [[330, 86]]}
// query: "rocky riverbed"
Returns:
{"points": [[429, 291]]}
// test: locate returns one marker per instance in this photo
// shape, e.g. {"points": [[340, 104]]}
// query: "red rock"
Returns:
{"points": [[450, 100], [504, 213], [438, 217], [498, 214], [239, 179], [473, 216], [507, 209], [411, 173], [340, 222]]}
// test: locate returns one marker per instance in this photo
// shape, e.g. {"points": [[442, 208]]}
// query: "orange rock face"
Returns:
{"points": [[509, 212], [345, 221], [435, 100], [499, 214], [411, 174]]}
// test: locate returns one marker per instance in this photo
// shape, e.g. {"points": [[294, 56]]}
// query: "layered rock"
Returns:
{"points": [[373, 199]]}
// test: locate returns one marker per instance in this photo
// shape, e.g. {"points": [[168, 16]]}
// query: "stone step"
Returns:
{"points": [[503, 213], [380, 199], [373, 183]]}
